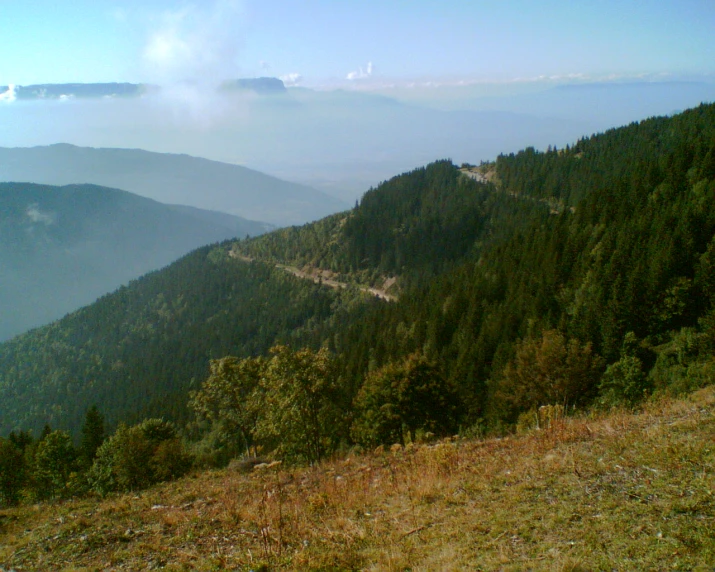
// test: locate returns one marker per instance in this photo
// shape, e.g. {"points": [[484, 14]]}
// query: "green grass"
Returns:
{"points": [[618, 491]]}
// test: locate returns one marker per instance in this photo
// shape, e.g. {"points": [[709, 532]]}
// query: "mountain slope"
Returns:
{"points": [[621, 491], [172, 179], [413, 227], [62, 247], [581, 275], [140, 349]]}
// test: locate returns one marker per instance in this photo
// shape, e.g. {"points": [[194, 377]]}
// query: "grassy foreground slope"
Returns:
{"points": [[618, 491]]}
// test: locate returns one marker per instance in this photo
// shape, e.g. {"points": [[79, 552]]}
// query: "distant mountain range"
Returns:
{"points": [[80, 90], [259, 85], [341, 141], [62, 247], [174, 179]]}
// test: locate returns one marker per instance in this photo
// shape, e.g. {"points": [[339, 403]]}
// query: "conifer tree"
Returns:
{"points": [[12, 472], [92, 435]]}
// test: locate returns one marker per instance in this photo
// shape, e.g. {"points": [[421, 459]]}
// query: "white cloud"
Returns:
{"points": [[196, 42], [190, 51], [35, 215], [361, 73], [8, 95], [291, 79]]}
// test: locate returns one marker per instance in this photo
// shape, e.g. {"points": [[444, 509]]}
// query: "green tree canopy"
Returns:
{"points": [[549, 370], [52, 464], [402, 398], [224, 398], [297, 404], [92, 435], [12, 472], [137, 457]]}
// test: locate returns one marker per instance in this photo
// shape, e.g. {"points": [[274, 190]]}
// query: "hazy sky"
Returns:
{"points": [[331, 42]]}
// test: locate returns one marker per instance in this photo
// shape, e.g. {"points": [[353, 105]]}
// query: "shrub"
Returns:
{"points": [[546, 371], [402, 399], [137, 457], [52, 465], [297, 404], [625, 382]]}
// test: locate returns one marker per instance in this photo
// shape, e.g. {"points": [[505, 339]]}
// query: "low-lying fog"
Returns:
{"points": [[342, 141]]}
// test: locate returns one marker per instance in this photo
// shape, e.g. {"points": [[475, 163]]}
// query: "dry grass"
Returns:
{"points": [[616, 492]]}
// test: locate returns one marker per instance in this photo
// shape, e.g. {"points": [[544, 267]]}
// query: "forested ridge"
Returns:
{"points": [[414, 227], [137, 350], [582, 277]]}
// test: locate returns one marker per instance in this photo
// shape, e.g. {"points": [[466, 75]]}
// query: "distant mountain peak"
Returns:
{"points": [[259, 85]]}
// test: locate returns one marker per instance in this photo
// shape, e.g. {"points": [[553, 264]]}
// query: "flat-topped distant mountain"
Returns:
{"points": [[173, 179], [62, 247], [259, 85], [69, 90]]}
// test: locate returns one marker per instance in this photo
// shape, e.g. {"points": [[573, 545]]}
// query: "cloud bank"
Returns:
{"points": [[9, 95], [291, 79], [195, 43], [361, 73], [35, 215]]}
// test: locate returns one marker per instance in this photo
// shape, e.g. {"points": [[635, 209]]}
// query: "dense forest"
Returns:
{"points": [[414, 227], [581, 276], [138, 350]]}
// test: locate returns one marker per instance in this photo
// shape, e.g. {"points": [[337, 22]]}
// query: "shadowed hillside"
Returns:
{"points": [[169, 178], [63, 247]]}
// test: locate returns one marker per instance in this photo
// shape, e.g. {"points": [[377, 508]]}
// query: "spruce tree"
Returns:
{"points": [[92, 435]]}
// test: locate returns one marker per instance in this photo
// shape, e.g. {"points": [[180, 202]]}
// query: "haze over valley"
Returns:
{"points": [[62, 247], [172, 179], [341, 141]]}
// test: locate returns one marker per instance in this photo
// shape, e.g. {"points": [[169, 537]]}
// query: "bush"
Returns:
{"points": [[402, 399], [53, 463], [549, 370], [137, 457], [685, 363], [297, 405], [624, 383]]}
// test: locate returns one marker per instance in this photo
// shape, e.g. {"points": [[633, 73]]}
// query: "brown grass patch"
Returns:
{"points": [[621, 491]]}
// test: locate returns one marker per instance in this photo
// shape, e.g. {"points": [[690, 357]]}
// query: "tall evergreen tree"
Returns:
{"points": [[92, 435]]}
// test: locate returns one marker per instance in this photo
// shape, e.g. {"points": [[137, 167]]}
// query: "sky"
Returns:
{"points": [[360, 43]]}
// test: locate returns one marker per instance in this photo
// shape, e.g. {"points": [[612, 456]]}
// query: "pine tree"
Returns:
{"points": [[92, 435]]}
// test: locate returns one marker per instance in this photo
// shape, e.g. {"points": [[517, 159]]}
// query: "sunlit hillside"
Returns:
{"points": [[605, 491]]}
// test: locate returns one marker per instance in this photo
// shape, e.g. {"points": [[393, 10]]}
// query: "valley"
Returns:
{"points": [[171, 178], [63, 247]]}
